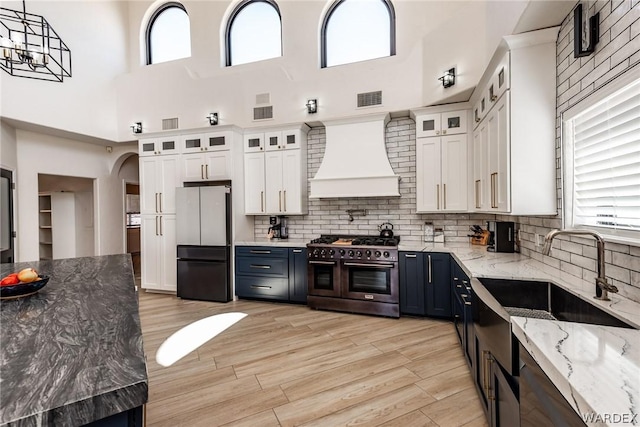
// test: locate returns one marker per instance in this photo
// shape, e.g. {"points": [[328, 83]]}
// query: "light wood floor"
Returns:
{"points": [[288, 365]]}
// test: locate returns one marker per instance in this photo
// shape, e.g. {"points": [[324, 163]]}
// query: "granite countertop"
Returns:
{"points": [[285, 243], [596, 368], [72, 353]]}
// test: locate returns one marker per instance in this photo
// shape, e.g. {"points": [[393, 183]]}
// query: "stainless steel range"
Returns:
{"points": [[357, 274]]}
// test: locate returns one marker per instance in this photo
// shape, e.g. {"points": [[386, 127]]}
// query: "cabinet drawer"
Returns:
{"points": [[262, 251], [260, 287], [258, 266]]}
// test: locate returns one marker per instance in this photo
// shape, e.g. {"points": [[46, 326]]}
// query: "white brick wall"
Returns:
{"points": [[617, 51], [328, 216]]}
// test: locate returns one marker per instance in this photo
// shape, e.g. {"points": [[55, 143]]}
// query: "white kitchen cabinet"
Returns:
{"points": [[158, 146], [254, 142], [278, 186], [446, 123], [517, 128], [254, 181], [214, 141], [158, 247], [441, 173], [207, 166], [159, 177]]}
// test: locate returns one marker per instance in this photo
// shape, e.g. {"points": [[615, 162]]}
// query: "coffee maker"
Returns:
{"points": [[279, 227], [501, 236]]}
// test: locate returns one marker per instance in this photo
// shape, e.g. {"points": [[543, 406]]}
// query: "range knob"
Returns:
{"points": [[315, 252], [378, 253], [359, 253], [342, 251], [323, 252], [332, 252], [368, 253], [350, 253], [386, 254]]}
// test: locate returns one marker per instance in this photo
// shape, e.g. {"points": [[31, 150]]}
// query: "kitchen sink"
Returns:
{"points": [[545, 300]]}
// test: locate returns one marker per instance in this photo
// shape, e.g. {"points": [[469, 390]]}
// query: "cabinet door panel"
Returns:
{"points": [[254, 142], [150, 249], [192, 143], [428, 125], [502, 135], [454, 172], [254, 183], [438, 284], [148, 185], [168, 255], [454, 122], [291, 139], [298, 275], [291, 182], [273, 182], [193, 167], [428, 188], [217, 165], [273, 141], [412, 284], [168, 175]]}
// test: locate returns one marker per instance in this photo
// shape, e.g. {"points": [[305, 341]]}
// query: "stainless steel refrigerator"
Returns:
{"points": [[203, 230]]}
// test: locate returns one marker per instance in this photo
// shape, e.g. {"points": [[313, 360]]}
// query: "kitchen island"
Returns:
{"points": [[72, 353]]}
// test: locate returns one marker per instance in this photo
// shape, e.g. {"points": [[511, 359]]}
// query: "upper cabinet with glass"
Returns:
{"points": [[254, 32], [168, 34], [356, 30]]}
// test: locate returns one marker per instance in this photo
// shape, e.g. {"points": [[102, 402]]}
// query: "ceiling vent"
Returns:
{"points": [[369, 98], [263, 98], [170, 124], [262, 113]]}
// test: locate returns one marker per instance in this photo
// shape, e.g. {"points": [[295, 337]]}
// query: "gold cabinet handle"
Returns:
{"points": [[494, 189], [438, 196], [262, 201], [160, 198], [444, 132], [280, 200], [477, 188], [444, 190], [157, 225], [202, 171], [156, 202], [284, 197], [206, 171], [437, 132], [161, 226], [430, 277]]}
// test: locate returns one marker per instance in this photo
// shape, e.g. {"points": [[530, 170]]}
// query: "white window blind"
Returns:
{"points": [[606, 163]]}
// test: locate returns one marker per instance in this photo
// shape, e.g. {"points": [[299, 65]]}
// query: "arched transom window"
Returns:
{"points": [[254, 32], [168, 34], [357, 30]]}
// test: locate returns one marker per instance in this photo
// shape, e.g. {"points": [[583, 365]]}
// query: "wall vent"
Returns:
{"points": [[170, 124], [262, 113], [263, 98], [370, 98]]}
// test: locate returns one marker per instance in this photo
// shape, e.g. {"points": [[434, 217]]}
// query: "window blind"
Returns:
{"points": [[606, 161]]}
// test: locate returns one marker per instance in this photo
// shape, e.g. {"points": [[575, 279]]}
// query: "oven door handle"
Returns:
{"points": [[356, 264], [323, 262]]}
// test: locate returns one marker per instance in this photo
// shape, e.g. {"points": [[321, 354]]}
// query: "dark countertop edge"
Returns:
{"points": [[139, 393]]}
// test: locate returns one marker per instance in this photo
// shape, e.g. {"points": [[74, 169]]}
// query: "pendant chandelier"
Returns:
{"points": [[29, 47]]}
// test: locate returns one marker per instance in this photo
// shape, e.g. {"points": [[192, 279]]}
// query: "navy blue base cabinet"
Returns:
{"points": [[272, 273], [425, 284]]}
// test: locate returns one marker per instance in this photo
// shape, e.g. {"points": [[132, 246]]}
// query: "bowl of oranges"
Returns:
{"points": [[24, 283]]}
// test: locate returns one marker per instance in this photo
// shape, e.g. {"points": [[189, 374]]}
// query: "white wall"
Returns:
{"points": [[38, 153], [96, 32], [431, 36]]}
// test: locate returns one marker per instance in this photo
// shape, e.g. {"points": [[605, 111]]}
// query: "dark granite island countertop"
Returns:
{"points": [[72, 353]]}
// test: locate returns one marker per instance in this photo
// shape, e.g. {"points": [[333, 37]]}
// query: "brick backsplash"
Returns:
{"points": [[328, 216], [617, 51]]}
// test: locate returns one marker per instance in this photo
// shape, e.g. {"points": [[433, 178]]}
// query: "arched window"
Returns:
{"points": [[168, 34], [254, 32], [357, 30]]}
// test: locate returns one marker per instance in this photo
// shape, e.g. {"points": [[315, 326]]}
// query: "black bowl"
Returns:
{"points": [[23, 289]]}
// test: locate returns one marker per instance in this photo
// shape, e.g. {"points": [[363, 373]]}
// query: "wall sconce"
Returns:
{"points": [[449, 78], [592, 33], [213, 119], [136, 127], [312, 106]]}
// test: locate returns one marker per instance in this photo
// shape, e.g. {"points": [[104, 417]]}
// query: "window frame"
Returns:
{"points": [[227, 33], [626, 78], [152, 21], [327, 17]]}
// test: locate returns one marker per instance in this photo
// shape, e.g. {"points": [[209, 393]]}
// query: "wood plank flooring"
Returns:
{"points": [[288, 365]]}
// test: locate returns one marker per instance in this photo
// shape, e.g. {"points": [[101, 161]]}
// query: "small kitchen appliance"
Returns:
{"points": [[279, 227], [501, 236]]}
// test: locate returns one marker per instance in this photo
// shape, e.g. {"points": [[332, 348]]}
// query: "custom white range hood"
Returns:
{"points": [[355, 162]]}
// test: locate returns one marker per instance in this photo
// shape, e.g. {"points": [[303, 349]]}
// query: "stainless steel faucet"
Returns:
{"points": [[602, 286]]}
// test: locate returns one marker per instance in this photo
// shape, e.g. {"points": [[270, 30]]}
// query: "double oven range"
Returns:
{"points": [[357, 274]]}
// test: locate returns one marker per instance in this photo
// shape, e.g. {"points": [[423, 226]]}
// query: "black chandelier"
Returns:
{"points": [[31, 48]]}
